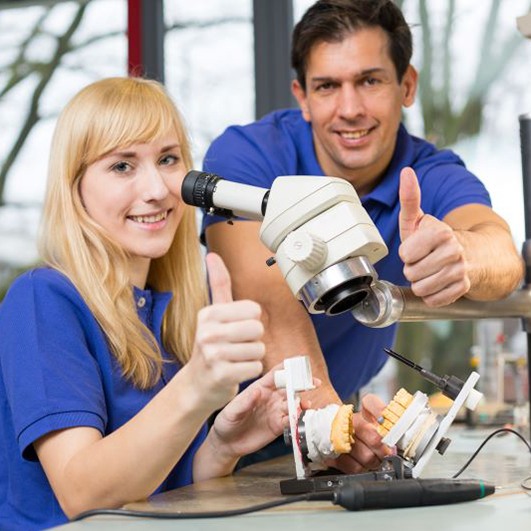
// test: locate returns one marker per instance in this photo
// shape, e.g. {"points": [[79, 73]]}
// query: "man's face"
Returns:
{"points": [[354, 100]]}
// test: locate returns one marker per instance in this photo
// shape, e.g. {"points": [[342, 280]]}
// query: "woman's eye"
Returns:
{"points": [[121, 167], [168, 160]]}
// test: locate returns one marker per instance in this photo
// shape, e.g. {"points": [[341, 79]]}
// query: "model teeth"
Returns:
{"points": [[394, 410], [354, 135], [150, 219]]}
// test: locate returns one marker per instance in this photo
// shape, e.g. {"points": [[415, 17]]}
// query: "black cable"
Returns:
{"points": [[334, 497], [496, 432], [210, 514]]}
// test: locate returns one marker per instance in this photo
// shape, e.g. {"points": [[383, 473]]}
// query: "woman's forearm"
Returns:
{"points": [[129, 464]]}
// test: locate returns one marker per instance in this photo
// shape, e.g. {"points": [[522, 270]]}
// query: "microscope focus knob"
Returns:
{"points": [[305, 249]]}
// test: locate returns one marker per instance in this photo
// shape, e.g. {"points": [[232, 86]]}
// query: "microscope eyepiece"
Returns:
{"points": [[198, 188], [224, 198]]}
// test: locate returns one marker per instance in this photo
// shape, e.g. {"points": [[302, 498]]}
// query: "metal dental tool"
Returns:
{"points": [[418, 431], [450, 386]]}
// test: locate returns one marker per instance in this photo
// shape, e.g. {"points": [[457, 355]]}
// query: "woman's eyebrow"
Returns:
{"points": [[170, 147]]}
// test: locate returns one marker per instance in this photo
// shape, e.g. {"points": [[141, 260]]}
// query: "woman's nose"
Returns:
{"points": [[154, 186]]}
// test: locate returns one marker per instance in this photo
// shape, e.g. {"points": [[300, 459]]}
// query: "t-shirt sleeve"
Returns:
{"points": [[243, 156], [448, 186], [52, 378]]}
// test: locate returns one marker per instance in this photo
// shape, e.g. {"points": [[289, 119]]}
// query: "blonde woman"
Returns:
{"points": [[111, 361]]}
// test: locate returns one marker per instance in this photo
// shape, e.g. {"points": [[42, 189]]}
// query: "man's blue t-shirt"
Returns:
{"points": [[281, 143], [57, 372]]}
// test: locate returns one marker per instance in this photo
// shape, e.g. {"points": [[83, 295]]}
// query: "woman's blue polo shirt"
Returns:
{"points": [[57, 372]]}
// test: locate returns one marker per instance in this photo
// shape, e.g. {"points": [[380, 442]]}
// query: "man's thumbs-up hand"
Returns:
{"points": [[434, 258]]}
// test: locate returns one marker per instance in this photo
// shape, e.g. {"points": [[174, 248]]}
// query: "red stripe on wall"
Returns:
{"points": [[134, 38]]}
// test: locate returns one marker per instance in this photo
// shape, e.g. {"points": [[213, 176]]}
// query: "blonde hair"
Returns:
{"points": [[112, 114]]}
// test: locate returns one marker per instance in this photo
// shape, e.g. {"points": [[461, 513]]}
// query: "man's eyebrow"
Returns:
{"points": [[375, 70], [362, 73]]}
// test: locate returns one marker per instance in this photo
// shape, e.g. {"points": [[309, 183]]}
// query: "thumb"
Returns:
{"points": [[242, 405], [410, 211], [372, 407], [219, 279]]}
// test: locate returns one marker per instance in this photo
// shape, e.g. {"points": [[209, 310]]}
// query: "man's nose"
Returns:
{"points": [[350, 103], [154, 186]]}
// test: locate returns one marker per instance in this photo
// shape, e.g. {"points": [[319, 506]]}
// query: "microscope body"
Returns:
{"points": [[324, 240]]}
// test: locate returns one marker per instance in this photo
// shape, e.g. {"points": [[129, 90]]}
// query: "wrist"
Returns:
{"points": [[224, 458], [186, 384], [322, 396]]}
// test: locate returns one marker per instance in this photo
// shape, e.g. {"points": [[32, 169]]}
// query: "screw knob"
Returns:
{"points": [[305, 249]]}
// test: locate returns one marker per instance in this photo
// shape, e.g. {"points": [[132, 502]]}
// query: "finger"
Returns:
{"points": [[371, 407], [431, 235], [234, 352], [447, 295], [236, 311], [247, 370], [267, 381], [366, 455], [228, 373], [360, 460], [237, 332], [410, 211], [242, 404], [219, 279]]}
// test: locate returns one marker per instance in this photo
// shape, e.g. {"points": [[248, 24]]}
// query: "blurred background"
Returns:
{"points": [[474, 79]]}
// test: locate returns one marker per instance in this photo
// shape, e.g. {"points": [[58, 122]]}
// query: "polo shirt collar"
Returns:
{"points": [[151, 305]]}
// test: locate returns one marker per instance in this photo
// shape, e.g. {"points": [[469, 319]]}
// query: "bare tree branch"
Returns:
{"points": [[444, 124], [63, 45], [20, 69]]}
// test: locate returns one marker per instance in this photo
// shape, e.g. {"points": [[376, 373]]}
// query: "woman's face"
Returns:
{"points": [[134, 193]]}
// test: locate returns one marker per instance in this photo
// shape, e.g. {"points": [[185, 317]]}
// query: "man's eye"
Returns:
{"points": [[121, 167], [372, 81], [325, 86]]}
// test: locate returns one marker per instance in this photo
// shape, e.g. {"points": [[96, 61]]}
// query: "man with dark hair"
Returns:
{"points": [[353, 77]]}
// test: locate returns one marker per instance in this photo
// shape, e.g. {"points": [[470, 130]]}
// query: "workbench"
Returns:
{"points": [[504, 461]]}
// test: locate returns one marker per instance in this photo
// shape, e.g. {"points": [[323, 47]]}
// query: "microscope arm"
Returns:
{"points": [[386, 304]]}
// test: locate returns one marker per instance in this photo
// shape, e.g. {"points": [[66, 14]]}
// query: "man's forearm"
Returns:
{"points": [[495, 267], [298, 338]]}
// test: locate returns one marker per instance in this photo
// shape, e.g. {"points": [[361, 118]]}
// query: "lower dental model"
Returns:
{"points": [[328, 432]]}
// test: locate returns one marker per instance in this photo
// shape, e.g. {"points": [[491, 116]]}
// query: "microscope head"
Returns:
{"points": [[325, 243], [324, 240]]}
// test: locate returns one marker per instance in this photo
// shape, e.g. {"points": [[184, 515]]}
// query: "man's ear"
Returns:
{"points": [[409, 86], [300, 95]]}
